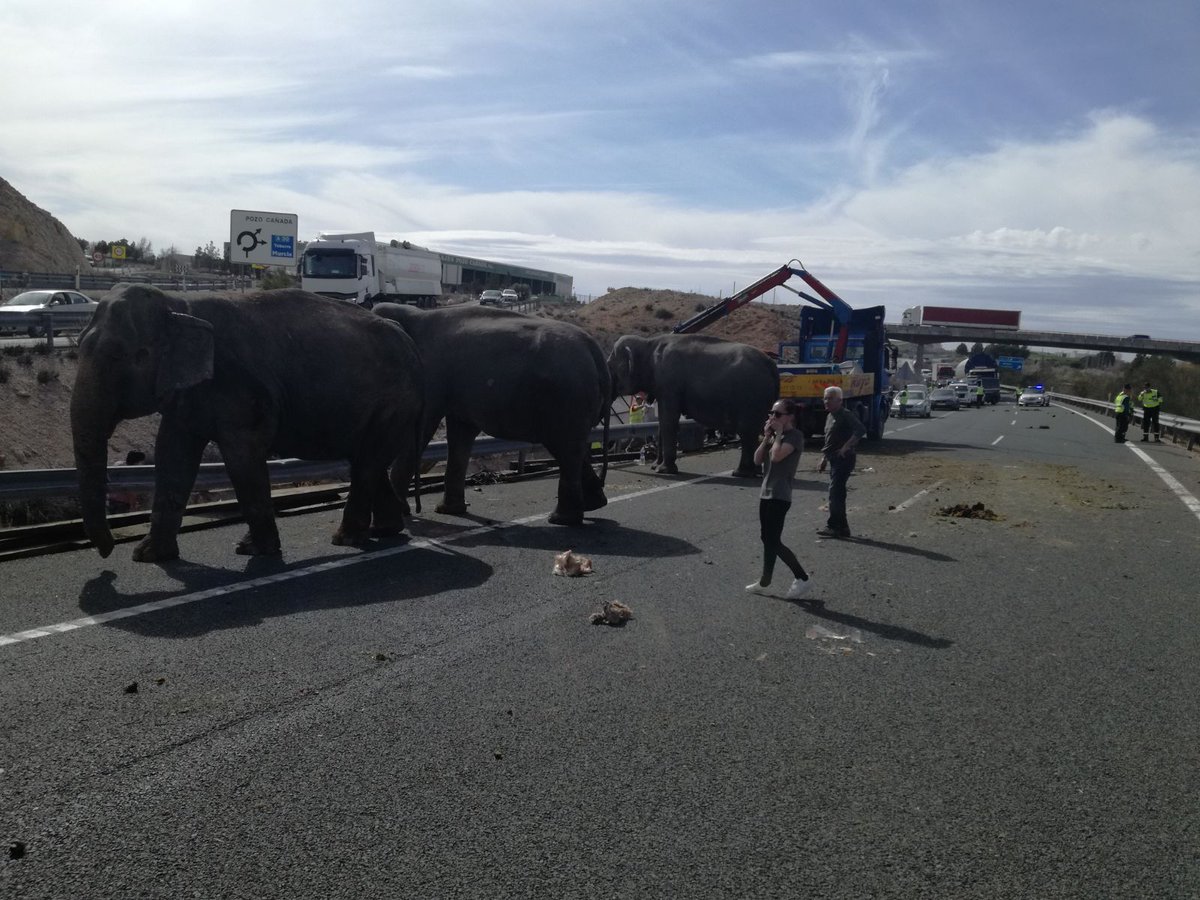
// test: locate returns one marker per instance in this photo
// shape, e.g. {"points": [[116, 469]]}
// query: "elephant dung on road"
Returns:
{"points": [[515, 377], [720, 384], [283, 373]]}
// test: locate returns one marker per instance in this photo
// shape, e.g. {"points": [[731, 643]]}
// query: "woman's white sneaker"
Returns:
{"points": [[756, 588], [798, 589]]}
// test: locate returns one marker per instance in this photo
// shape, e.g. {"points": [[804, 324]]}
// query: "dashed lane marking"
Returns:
{"points": [[225, 590], [997, 440], [915, 497]]}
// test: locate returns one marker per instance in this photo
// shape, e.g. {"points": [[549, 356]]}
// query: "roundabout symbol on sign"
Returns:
{"points": [[249, 240]]}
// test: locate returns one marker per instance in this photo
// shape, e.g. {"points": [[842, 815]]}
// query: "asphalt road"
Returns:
{"points": [[967, 708]]}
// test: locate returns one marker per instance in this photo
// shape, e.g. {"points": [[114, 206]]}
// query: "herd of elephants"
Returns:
{"points": [[293, 374]]}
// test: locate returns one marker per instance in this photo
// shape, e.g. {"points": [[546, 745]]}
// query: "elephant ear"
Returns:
{"points": [[189, 356]]}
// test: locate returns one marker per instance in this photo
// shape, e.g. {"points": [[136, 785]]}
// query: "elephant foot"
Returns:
{"points": [[246, 547], [595, 501], [457, 508], [150, 550], [563, 518], [344, 538], [386, 531], [666, 469], [747, 473]]}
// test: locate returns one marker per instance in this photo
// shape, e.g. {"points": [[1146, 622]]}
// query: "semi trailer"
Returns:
{"points": [[957, 317], [356, 268]]}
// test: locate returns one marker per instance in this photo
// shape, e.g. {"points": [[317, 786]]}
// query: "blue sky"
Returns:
{"points": [[1042, 156]]}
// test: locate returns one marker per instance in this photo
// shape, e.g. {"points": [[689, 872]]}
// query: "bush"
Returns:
{"points": [[662, 313], [25, 359], [45, 376], [277, 279], [5, 374]]}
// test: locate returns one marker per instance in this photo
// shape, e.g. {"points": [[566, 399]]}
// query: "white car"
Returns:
{"points": [[509, 297], [917, 405], [1033, 396], [963, 390], [52, 302]]}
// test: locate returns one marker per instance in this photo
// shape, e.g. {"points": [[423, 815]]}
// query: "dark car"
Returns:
{"points": [[75, 308]]}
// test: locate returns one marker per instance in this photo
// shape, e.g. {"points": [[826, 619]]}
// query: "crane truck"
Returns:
{"points": [[359, 269], [837, 346]]}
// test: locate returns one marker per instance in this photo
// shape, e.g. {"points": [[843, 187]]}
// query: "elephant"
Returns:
{"points": [[283, 373], [515, 377], [720, 384]]}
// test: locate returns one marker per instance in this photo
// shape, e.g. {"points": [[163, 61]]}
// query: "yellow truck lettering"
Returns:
{"points": [[857, 384]]}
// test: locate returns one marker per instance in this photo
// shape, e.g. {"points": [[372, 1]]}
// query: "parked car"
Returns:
{"points": [[944, 398], [918, 402], [490, 298], [1033, 396], [48, 301], [509, 297]]}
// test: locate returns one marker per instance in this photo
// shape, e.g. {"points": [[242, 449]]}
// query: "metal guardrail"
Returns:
{"points": [[46, 322], [25, 483], [1178, 428]]}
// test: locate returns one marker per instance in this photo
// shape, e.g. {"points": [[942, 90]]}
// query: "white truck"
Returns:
{"points": [[359, 269]]}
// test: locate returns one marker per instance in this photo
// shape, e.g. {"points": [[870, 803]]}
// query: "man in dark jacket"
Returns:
{"points": [[843, 431]]}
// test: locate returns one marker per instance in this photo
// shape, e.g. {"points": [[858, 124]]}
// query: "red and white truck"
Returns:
{"points": [[957, 317]]}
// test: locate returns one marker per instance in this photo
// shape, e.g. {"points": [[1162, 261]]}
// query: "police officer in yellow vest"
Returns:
{"points": [[1123, 407], [979, 395], [903, 401], [1151, 400]]}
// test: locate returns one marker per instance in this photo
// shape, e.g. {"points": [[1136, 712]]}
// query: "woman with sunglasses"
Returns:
{"points": [[779, 454]]}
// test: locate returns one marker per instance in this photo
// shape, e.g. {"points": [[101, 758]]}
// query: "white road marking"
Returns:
{"points": [[997, 440], [904, 428], [1013, 422], [915, 497], [1177, 489], [225, 590]]}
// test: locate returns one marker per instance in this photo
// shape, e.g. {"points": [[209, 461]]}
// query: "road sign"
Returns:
{"points": [[1011, 362], [117, 250], [97, 256], [262, 238]]}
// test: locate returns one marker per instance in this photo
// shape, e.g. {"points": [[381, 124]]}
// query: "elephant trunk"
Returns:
{"points": [[93, 419]]}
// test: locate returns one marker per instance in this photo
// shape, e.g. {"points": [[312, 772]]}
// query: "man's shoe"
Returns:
{"points": [[833, 532], [756, 588], [798, 589]]}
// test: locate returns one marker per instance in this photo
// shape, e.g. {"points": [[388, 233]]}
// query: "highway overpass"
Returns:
{"points": [[1187, 351]]}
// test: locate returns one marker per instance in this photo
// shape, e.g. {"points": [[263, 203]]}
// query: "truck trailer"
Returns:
{"points": [[980, 368], [958, 317], [356, 268]]}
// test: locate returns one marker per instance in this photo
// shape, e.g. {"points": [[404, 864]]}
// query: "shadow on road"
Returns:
{"points": [[594, 536], [883, 630], [426, 572], [899, 548]]}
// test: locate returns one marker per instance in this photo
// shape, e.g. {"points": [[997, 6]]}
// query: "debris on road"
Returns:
{"points": [[16, 849], [131, 688], [570, 564], [614, 613], [963, 511]]}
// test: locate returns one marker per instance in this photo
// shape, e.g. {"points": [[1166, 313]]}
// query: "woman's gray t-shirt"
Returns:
{"points": [[777, 476]]}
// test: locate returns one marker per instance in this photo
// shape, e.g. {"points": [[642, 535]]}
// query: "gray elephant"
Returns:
{"points": [[718, 383], [515, 377], [278, 373]]}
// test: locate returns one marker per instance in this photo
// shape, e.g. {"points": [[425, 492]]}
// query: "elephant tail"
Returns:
{"points": [[418, 449], [604, 465]]}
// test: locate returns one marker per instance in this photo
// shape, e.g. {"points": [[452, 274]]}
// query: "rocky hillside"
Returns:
{"points": [[32, 240]]}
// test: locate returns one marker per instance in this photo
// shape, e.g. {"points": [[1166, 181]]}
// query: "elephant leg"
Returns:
{"points": [[355, 527], [177, 457], [404, 465], [387, 509], [460, 436], [593, 490], [247, 469], [571, 460], [746, 467], [668, 434]]}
